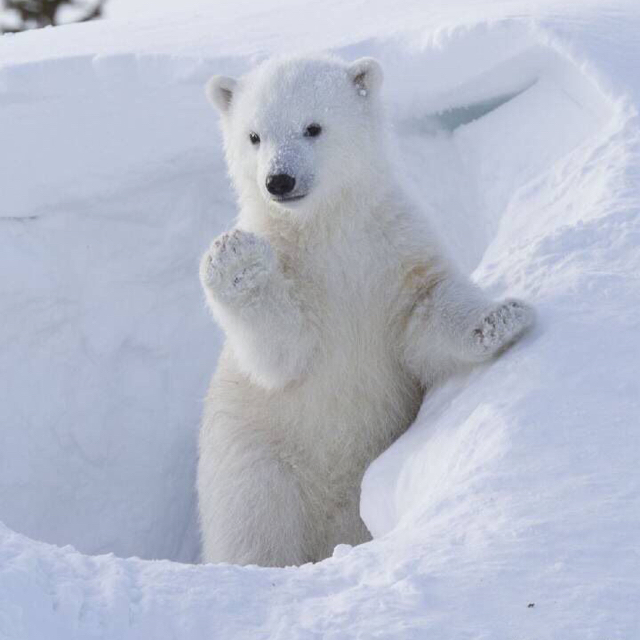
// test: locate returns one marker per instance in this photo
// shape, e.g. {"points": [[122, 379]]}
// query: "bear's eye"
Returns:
{"points": [[254, 137], [312, 131]]}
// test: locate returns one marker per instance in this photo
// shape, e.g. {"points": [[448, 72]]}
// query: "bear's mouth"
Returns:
{"points": [[288, 198]]}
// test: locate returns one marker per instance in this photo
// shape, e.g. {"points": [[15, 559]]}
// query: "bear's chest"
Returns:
{"points": [[351, 292], [354, 292]]}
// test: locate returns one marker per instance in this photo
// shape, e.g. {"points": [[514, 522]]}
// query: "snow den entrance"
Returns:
{"points": [[107, 348]]}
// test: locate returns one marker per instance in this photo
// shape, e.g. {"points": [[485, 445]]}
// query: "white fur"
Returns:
{"points": [[339, 310]]}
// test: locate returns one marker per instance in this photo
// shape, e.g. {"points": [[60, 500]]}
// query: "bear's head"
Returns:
{"points": [[302, 134]]}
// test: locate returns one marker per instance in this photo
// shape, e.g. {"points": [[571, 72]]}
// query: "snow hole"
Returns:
{"points": [[107, 347]]}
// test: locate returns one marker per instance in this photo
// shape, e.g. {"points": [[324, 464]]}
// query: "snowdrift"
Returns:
{"points": [[510, 509]]}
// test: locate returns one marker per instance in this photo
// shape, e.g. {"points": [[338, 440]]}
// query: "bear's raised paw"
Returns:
{"points": [[237, 265]]}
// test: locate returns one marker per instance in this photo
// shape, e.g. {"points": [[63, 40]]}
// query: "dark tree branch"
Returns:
{"points": [[93, 14], [43, 13]]}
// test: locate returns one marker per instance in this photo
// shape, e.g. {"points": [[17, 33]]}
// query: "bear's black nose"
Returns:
{"points": [[280, 184]]}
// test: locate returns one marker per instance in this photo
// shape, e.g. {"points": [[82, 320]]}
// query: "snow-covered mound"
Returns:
{"points": [[517, 486]]}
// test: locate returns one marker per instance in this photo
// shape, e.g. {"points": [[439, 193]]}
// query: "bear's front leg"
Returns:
{"points": [[456, 323], [256, 306]]}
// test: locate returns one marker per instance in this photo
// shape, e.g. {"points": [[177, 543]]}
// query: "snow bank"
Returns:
{"points": [[518, 483]]}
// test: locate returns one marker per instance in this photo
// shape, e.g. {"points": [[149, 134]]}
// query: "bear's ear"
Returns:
{"points": [[219, 90], [366, 75]]}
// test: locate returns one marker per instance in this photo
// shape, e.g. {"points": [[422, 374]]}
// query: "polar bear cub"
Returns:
{"points": [[339, 310]]}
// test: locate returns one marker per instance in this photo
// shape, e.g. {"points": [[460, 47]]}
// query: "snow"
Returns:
{"points": [[518, 483]]}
